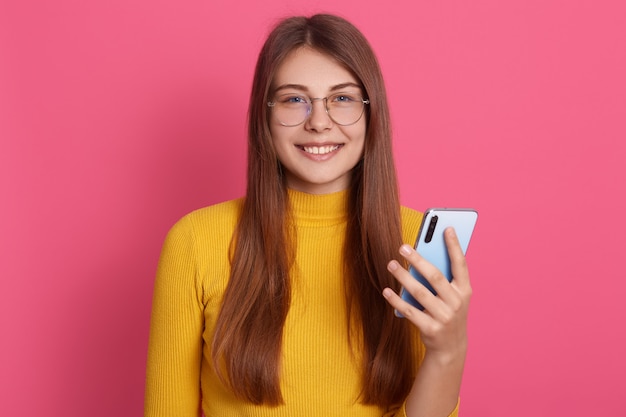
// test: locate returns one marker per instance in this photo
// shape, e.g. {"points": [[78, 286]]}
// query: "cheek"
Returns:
{"points": [[357, 134], [281, 145], [362, 140], [279, 138]]}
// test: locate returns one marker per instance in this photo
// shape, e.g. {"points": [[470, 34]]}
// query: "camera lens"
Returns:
{"points": [[431, 229]]}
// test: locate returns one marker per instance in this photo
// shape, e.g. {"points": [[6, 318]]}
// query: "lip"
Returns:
{"points": [[319, 151]]}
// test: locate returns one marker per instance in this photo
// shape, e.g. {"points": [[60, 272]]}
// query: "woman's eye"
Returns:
{"points": [[344, 98], [288, 99]]}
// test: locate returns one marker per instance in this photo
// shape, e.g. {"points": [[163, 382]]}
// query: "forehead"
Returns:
{"points": [[312, 70]]}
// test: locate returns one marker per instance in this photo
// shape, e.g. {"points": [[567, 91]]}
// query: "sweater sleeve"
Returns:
{"points": [[175, 346]]}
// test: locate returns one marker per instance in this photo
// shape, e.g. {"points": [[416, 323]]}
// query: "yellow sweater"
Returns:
{"points": [[320, 377]]}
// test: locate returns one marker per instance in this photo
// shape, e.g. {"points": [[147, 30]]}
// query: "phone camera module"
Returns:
{"points": [[431, 229]]}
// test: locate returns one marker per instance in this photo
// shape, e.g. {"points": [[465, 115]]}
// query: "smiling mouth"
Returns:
{"points": [[319, 150]]}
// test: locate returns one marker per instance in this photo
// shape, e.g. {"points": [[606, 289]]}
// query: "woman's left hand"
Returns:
{"points": [[443, 323]]}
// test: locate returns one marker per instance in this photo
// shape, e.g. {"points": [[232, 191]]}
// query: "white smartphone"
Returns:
{"points": [[431, 245]]}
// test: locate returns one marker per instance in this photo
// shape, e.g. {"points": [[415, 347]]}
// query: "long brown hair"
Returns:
{"points": [[248, 337]]}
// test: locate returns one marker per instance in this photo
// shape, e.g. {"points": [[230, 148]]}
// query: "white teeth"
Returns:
{"points": [[320, 150]]}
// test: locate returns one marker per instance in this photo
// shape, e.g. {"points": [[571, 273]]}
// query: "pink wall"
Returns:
{"points": [[118, 117]]}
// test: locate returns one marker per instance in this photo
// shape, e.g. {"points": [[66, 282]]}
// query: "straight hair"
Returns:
{"points": [[247, 342]]}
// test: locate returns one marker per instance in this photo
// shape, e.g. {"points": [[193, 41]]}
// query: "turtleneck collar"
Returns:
{"points": [[318, 209]]}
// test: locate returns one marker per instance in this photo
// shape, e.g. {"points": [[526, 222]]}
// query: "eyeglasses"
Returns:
{"points": [[291, 109]]}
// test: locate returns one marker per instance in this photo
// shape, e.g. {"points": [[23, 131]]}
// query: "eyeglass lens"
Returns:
{"points": [[343, 108]]}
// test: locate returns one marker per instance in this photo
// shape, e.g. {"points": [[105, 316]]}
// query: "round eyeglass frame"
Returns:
{"points": [[309, 102]]}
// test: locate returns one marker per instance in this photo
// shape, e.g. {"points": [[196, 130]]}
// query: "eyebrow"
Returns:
{"points": [[304, 88]]}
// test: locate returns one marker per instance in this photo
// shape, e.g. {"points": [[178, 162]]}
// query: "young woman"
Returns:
{"points": [[282, 303]]}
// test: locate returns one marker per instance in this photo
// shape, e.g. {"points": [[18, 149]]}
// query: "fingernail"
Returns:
{"points": [[392, 266], [405, 250]]}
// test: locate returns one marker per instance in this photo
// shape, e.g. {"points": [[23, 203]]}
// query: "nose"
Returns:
{"points": [[318, 119]]}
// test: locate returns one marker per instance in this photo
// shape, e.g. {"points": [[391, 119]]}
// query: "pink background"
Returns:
{"points": [[118, 117]]}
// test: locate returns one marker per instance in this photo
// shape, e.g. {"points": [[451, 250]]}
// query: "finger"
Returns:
{"points": [[432, 274], [414, 315], [419, 292], [458, 262]]}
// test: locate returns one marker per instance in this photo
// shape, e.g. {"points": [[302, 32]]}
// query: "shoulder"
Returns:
{"points": [[227, 211], [411, 221], [211, 221]]}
